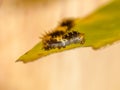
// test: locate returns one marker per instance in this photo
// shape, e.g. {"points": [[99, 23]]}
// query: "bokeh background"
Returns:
{"points": [[21, 24]]}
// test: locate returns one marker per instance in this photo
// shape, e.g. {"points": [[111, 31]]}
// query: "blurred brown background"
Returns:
{"points": [[77, 69]]}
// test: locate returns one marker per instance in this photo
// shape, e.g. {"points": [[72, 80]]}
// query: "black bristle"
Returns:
{"points": [[56, 33], [70, 35]]}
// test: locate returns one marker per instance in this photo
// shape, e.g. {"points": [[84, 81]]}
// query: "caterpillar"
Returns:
{"points": [[62, 36], [59, 40]]}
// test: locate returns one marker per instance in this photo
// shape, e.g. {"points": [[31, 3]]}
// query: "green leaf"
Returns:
{"points": [[100, 28]]}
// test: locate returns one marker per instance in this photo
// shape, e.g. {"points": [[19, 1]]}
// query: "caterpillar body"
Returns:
{"points": [[62, 36]]}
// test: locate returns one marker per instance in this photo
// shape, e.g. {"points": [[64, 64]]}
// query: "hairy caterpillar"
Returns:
{"points": [[62, 36]]}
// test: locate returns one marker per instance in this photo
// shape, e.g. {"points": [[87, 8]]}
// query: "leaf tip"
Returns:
{"points": [[19, 60]]}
